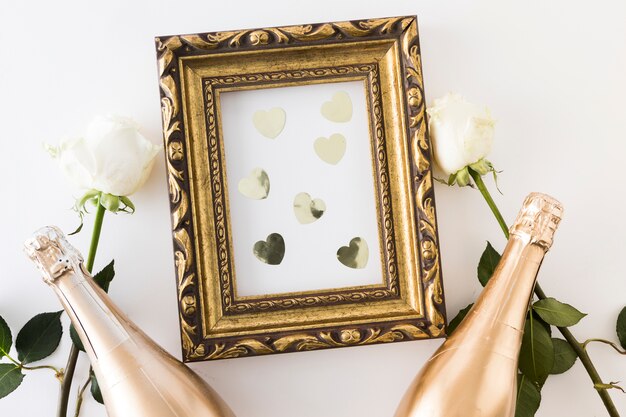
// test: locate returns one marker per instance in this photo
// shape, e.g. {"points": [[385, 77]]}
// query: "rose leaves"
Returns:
{"points": [[621, 327], [37, 340]]}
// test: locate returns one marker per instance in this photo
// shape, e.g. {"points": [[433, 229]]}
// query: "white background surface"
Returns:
{"points": [[552, 72], [292, 165]]}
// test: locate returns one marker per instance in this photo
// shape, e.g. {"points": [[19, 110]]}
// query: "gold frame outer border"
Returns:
{"points": [[169, 48]]}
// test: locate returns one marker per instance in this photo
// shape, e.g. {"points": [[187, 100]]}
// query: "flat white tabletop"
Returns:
{"points": [[551, 72]]}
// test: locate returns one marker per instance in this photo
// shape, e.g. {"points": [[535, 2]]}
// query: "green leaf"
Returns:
{"points": [[90, 196], [542, 322], [129, 207], [462, 177], [557, 313], [105, 276], [564, 356], [81, 216], [537, 353], [80, 226], [76, 339], [482, 166], [10, 378], [610, 385], [621, 327], [528, 397], [110, 202], [39, 337], [454, 323], [6, 339], [95, 389], [487, 264]]}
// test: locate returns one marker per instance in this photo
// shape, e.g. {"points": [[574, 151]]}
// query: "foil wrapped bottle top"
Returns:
{"points": [[539, 218], [54, 256]]}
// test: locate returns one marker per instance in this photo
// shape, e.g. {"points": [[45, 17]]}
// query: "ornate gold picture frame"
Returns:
{"points": [[208, 84]]}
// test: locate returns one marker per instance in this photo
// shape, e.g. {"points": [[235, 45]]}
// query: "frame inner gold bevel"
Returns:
{"points": [[219, 89], [347, 75], [385, 55]]}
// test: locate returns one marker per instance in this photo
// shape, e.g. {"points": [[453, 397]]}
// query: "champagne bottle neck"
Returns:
{"points": [[507, 297], [92, 317]]}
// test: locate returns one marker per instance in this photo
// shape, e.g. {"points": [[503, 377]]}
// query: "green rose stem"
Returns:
{"points": [[73, 356], [81, 392], [575, 344], [58, 372]]}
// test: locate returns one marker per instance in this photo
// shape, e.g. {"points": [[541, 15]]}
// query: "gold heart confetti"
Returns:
{"points": [[339, 108], [332, 149], [306, 209], [355, 255], [270, 251], [256, 185], [270, 123]]}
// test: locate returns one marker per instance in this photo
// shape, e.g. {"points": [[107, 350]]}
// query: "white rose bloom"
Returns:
{"points": [[461, 133], [112, 157]]}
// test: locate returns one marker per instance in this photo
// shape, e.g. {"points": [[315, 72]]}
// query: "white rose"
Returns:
{"points": [[462, 135], [112, 157]]}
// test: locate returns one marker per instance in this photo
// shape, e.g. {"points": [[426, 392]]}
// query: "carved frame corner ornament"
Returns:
{"points": [[384, 53]]}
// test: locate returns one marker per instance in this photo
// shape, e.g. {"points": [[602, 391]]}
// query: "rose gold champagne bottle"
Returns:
{"points": [[474, 372], [136, 376]]}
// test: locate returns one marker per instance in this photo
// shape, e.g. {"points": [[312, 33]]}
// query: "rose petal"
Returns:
{"points": [[478, 138], [113, 157], [461, 132], [76, 162]]}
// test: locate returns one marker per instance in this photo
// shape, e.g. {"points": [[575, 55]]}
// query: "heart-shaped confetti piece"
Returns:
{"points": [[355, 255], [270, 251], [339, 108], [270, 123], [308, 210], [256, 185], [331, 149]]}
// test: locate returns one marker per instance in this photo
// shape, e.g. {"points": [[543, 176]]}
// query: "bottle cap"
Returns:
{"points": [[53, 254], [539, 218]]}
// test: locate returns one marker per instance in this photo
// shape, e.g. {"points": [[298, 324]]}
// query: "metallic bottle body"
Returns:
{"points": [[136, 376], [474, 372]]}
